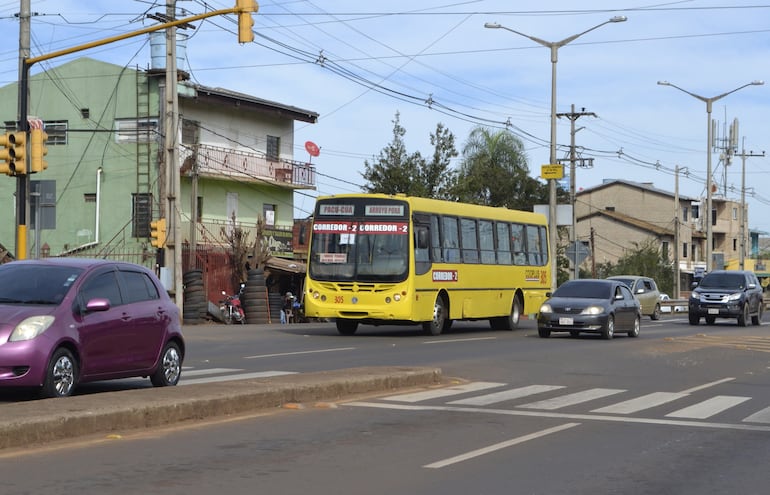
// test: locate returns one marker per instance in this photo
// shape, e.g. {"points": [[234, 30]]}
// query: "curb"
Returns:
{"points": [[41, 421]]}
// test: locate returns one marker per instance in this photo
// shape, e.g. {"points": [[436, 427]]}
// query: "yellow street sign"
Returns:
{"points": [[552, 171]]}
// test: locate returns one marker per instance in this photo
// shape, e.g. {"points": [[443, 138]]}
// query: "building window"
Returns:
{"points": [[735, 213], [141, 214], [735, 244], [190, 130], [695, 212], [200, 209], [685, 210], [664, 249], [273, 148], [135, 130], [269, 212], [684, 250]]}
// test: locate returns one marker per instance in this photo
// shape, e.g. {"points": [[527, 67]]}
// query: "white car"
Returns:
{"points": [[665, 308]]}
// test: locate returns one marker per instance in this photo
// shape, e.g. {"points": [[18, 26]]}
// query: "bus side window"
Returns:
{"points": [[503, 246], [421, 250], [435, 239], [451, 238]]}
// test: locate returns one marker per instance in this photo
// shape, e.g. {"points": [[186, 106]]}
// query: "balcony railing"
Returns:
{"points": [[217, 162]]}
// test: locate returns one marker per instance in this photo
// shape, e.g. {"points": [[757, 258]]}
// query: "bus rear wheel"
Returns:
{"points": [[346, 327], [440, 321], [510, 322]]}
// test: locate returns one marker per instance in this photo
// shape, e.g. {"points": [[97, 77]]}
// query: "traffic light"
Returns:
{"points": [[245, 21], [37, 139], [12, 160], [158, 233]]}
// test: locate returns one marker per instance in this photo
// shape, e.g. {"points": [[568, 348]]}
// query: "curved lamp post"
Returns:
{"points": [[554, 47], [709, 139]]}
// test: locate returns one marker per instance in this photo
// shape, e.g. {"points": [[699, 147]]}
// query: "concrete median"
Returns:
{"points": [[42, 421]]}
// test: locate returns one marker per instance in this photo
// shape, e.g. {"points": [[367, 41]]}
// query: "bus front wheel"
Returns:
{"points": [[440, 321], [346, 327]]}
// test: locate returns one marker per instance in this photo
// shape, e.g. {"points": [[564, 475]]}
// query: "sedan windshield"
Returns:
{"points": [[584, 289], [35, 284]]}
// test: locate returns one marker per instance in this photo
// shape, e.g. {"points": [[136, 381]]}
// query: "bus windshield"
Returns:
{"points": [[362, 241]]}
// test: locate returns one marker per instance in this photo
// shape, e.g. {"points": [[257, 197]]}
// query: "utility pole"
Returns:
{"points": [[677, 283], [743, 219], [584, 163], [22, 180]]}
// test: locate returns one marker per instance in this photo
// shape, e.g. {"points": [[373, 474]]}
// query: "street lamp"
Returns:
{"points": [[554, 46], [709, 139]]}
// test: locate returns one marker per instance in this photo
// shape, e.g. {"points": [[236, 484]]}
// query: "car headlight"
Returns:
{"points": [[546, 308], [31, 328], [735, 297], [592, 310], [695, 295]]}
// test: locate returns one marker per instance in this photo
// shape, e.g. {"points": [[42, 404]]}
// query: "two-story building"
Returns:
{"points": [[105, 180], [618, 214]]}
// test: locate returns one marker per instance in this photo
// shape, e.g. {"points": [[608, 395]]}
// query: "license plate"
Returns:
{"points": [[713, 311], [566, 321]]}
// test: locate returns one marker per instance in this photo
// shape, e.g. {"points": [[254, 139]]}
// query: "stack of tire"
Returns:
{"points": [[275, 302], [254, 298], [194, 303]]}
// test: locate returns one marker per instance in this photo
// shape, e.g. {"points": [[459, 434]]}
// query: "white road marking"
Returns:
{"points": [[707, 385], [242, 376], [566, 416], [516, 393], [300, 352], [640, 403], [572, 399], [443, 392], [708, 408], [498, 446], [208, 371], [762, 416]]}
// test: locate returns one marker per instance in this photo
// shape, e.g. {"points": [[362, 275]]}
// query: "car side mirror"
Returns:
{"points": [[98, 304]]}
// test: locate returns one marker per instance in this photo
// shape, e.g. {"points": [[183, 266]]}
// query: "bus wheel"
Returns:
{"points": [[510, 322], [440, 321], [346, 327]]}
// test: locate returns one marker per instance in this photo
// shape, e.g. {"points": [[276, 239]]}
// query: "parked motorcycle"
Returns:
{"points": [[231, 308]]}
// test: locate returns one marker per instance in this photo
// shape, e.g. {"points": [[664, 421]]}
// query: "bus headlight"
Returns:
{"points": [[397, 297]]}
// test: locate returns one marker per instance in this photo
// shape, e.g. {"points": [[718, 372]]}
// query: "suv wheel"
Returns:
{"points": [[694, 319], [757, 319], [744, 316]]}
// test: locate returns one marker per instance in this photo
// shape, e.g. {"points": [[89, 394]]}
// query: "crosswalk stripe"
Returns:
{"points": [[640, 403], [516, 393], [709, 407], [762, 416], [443, 392], [572, 399]]}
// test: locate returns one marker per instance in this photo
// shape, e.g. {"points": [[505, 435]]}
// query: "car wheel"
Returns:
{"points": [[574, 333], [694, 319], [169, 368], [544, 333], [634, 332], [346, 327], [757, 319], [744, 316], [710, 320], [61, 375], [609, 328], [656, 313], [440, 322]]}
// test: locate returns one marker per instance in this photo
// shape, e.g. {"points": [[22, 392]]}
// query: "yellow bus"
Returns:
{"points": [[394, 259]]}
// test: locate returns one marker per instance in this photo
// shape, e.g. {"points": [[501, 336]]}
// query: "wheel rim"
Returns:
{"points": [[610, 327], [171, 365], [515, 314], [63, 373]]}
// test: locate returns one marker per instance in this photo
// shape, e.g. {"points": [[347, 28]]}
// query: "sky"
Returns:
{"points": [[359, 64]]}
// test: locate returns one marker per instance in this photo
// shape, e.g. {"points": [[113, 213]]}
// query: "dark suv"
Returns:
{"points": [[727, 294]]}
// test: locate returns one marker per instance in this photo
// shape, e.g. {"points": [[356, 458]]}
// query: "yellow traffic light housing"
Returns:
{"points": [[158, 233], [12, 155], [38, 150], [245, 21]]}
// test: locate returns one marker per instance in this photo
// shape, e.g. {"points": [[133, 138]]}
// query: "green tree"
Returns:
{"points": [[395, 171], [437, 177], [644, 259], [494, 172]]}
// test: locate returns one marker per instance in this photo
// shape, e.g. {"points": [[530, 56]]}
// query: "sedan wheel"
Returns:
{"points": [[544, 333], [656, 314], [170, 367], [609, 328], [61, 375], [635, 331]]}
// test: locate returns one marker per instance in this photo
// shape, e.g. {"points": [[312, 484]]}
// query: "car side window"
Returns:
{"points": [[102, 285], [624, 292], [138, 286]]}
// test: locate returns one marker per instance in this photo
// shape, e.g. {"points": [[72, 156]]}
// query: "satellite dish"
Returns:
{"points": [[312, 148]]}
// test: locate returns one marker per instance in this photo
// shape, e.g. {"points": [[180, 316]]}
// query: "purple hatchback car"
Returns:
{"points": [[65, 321]]}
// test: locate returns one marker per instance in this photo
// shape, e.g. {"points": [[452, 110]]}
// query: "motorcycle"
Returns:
{"points": [[231, 308]]}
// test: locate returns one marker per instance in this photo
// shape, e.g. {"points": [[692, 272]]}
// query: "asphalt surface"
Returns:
{"points": [[38, 422]]}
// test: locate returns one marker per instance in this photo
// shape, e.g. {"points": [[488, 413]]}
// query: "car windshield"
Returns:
{"points": [[22, 283], [584, 289], [723, 281]]}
